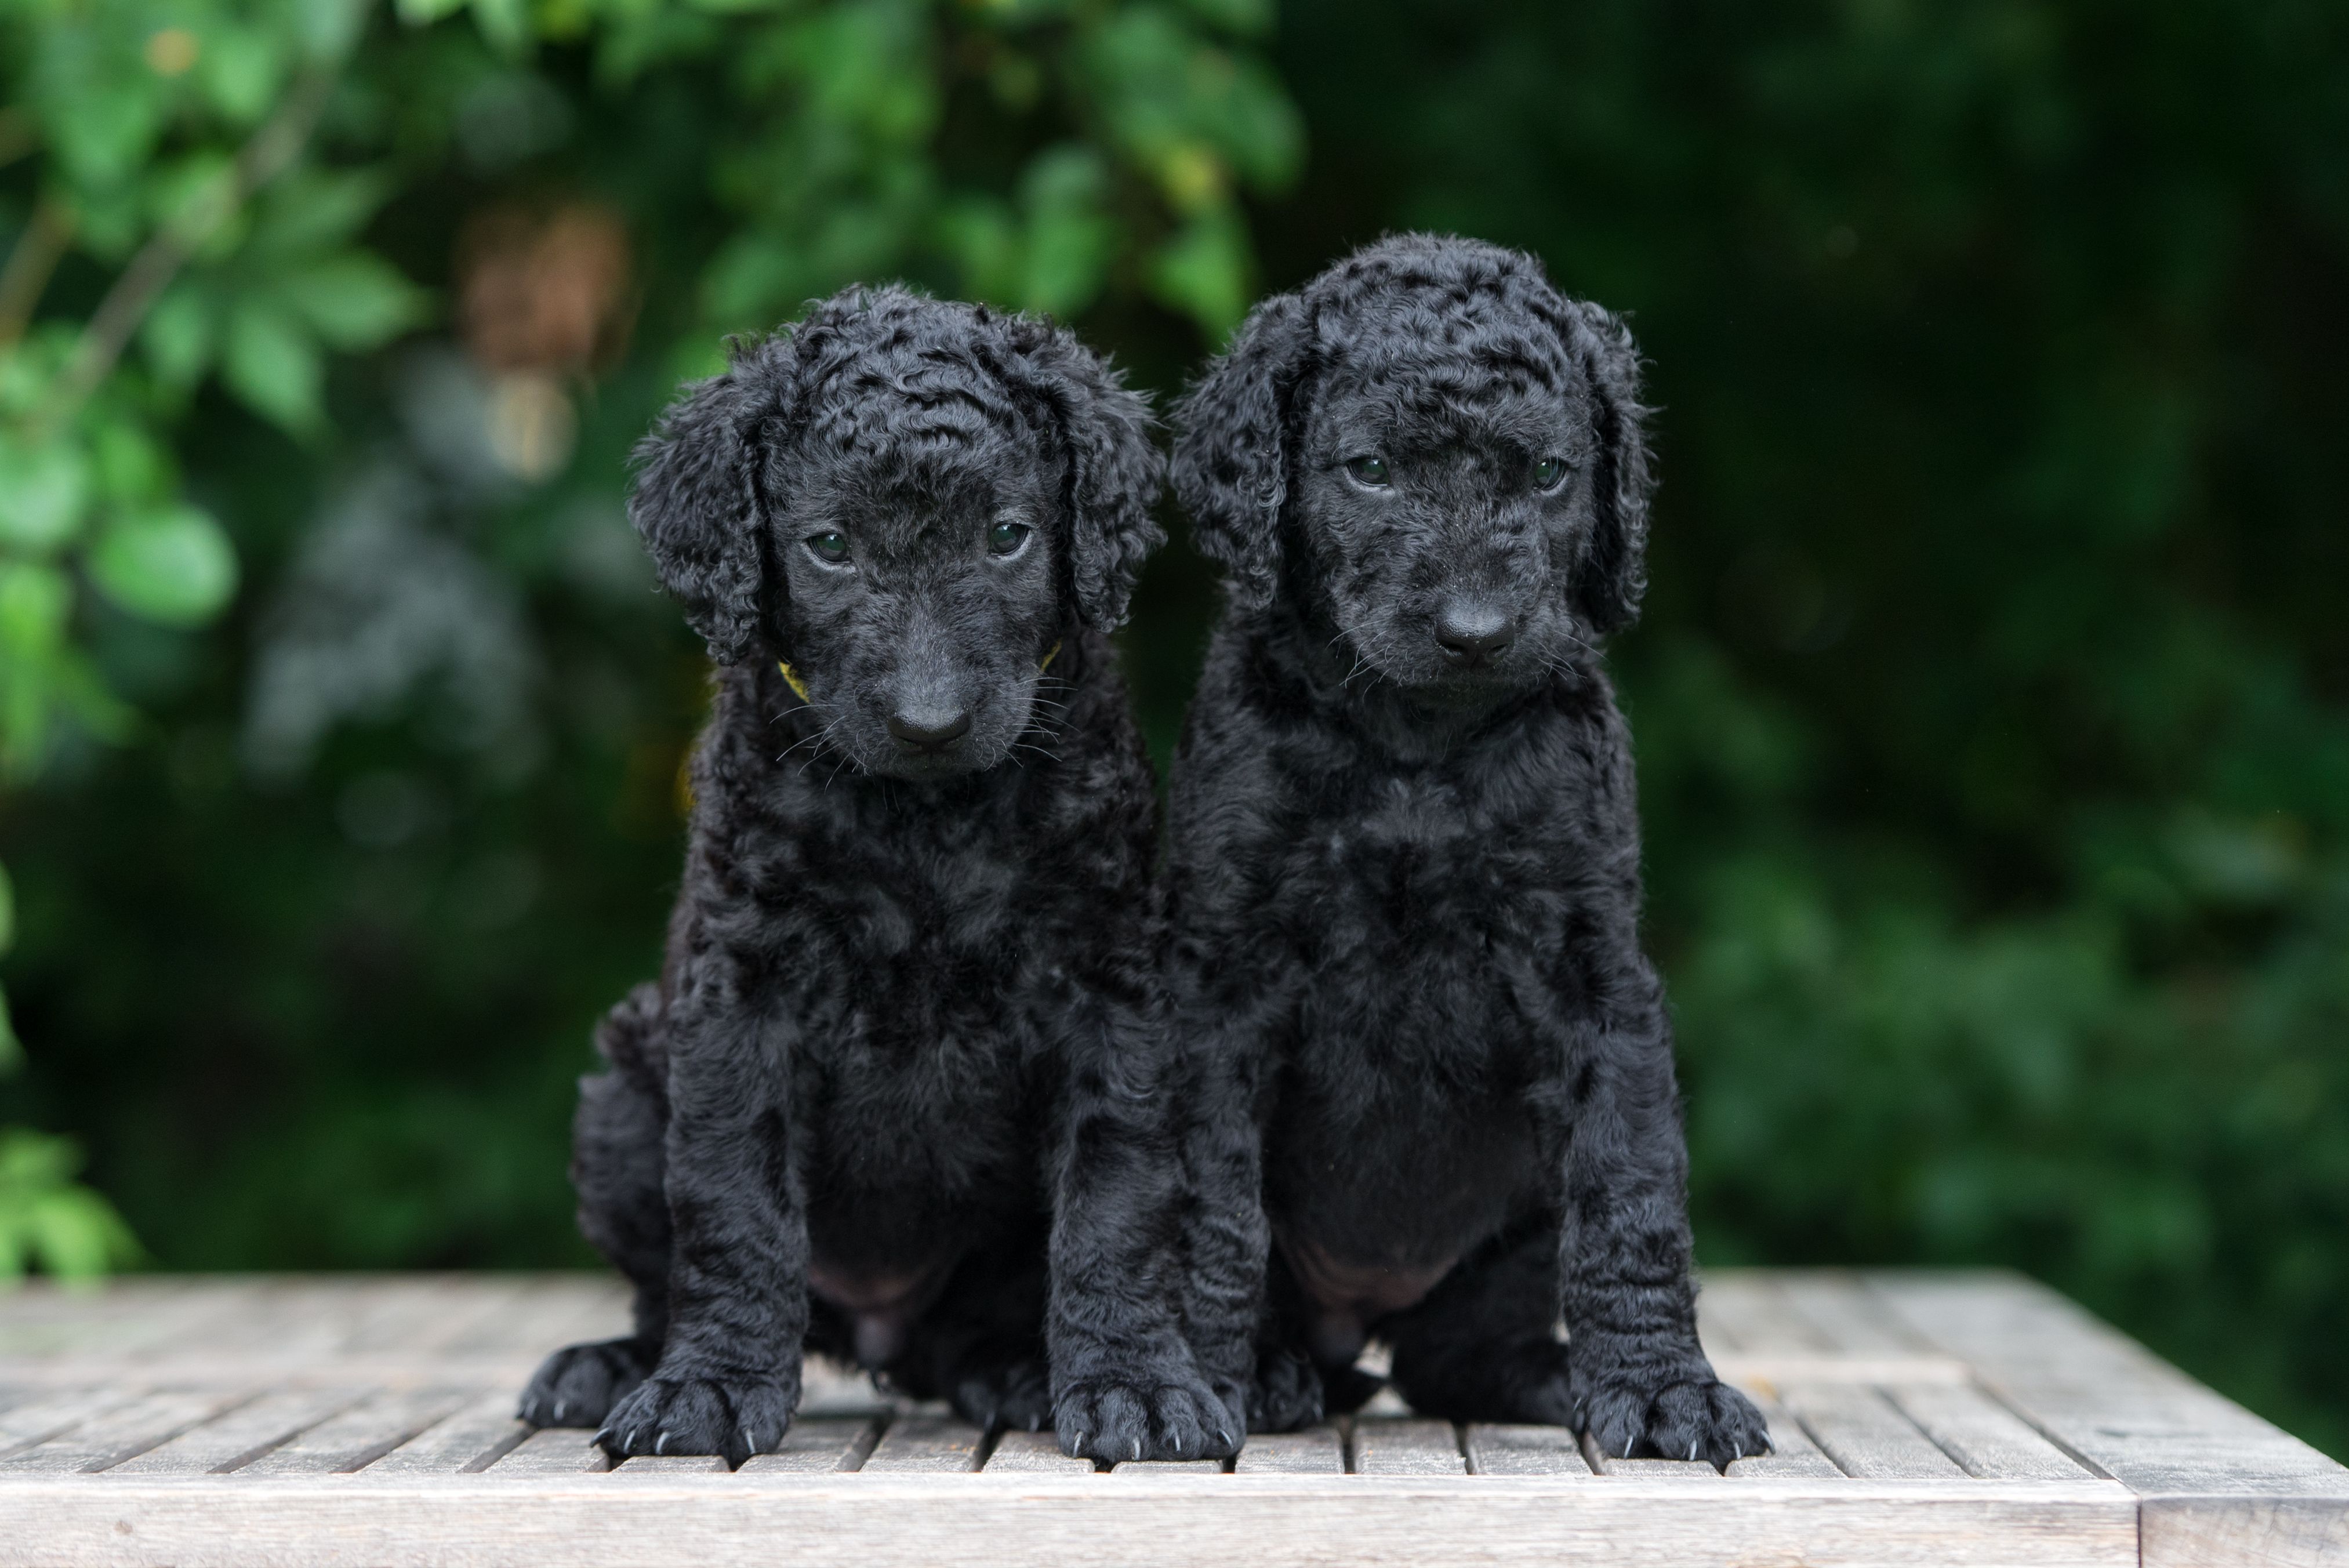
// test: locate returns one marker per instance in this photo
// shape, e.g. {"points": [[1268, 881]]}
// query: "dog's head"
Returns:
{"points": [[1438, 452], [909, 503]]}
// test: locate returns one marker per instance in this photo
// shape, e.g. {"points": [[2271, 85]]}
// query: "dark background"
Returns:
{"points": [[1992, 695]]}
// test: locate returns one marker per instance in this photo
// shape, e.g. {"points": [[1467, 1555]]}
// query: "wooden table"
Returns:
{"points": [[1920, 1418]]}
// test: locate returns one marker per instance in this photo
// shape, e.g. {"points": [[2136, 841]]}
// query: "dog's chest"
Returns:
{"points": [[1417, 873]]}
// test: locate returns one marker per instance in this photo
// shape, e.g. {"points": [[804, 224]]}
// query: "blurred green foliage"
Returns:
{"points": [[1993, 699]]}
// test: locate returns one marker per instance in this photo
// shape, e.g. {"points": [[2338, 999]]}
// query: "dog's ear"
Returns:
{"points": [[1231, 462], [695, 499], [1614, 573], [1114, 473]]}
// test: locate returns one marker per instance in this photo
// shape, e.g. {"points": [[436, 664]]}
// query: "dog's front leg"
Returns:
{"points": [[729, 1376], [1126, 1384], [1640, 1380]]}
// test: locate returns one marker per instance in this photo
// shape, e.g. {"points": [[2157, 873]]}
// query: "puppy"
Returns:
{"points": [[1436, 1094], [905, 1045]]}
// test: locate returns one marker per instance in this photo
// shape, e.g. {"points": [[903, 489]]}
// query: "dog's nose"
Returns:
{"points": [[930, 729], [1473, 634]]}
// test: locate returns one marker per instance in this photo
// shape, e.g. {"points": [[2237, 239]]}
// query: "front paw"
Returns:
{"points": [[1684, 1416], [1286, 1392], [1014, 1396], [1144, 1416], [732, 1416], [578, 1385]]}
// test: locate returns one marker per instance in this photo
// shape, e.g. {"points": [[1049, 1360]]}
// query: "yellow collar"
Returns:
{"points": [[792, 677]]}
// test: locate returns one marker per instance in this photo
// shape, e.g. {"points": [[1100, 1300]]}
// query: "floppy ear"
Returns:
{"points": [[696, 499], [1231, 462], [1614, 572], [1114, 473]]}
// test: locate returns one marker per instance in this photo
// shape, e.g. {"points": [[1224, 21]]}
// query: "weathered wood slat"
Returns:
{"points": [[901, 1522], [2219, 1484], [44, 1414], [657, 1466], [818, 1447], [1865, 1435], [1168, 1469], [473, 1438], [243, 1435], [1034, 1453], [551, 1451], [354, 1438], [1510, 1450], [1792, 1452], [1315, 1451], [927, 1445], [1752, 1314], [1985, 1437], [121, 1433], [1405, 1447]]}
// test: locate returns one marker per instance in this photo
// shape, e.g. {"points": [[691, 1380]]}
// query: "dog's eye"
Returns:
{"points": [[1549, 473], [829, 546], [1370, 470], [1005, 538]]}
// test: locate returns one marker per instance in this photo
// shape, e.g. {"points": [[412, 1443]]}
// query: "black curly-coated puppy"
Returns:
{"points": [[906, 1044], [1436, 1100]]}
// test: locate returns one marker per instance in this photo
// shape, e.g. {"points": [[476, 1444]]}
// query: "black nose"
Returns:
{"points": [[930, 729], [1473, 634]]}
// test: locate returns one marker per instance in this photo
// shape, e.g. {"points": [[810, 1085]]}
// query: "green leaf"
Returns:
{"points": [[175, 567], [1202, 272], [357, 300], [423, 13], [241, 70], [8, 911], [273, 364], [181, 333], [43, 490], [48, 1219]]}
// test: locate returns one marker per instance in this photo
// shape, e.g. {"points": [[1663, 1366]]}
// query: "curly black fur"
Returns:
{"points": [[897, 1095], [1436, 1099]]}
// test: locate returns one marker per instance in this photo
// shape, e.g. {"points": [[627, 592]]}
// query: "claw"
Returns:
{"points": [[1692, 1450], [1738, 1452], [660, 1446], [1137, 1448], [561, 1408]]}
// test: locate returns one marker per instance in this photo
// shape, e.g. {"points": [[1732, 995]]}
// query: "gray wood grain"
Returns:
{"points": [[1315, 1451], [925, 1445], [658, 1467], [41, 1416], [2104, 1396], [1404, 1448], [354, 1438], [1792, 1452], [551, 1452], [899, 1521], [1168, 1469], [818, 1447], [1034, 1453], [1866, 1435], [474, 1436], [1496, 1450], [121, 1433], [1983, 1435], [243, 1435]]}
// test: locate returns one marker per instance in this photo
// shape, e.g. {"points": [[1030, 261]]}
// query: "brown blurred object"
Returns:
{"points": [[544, 289], [544, 299]]}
